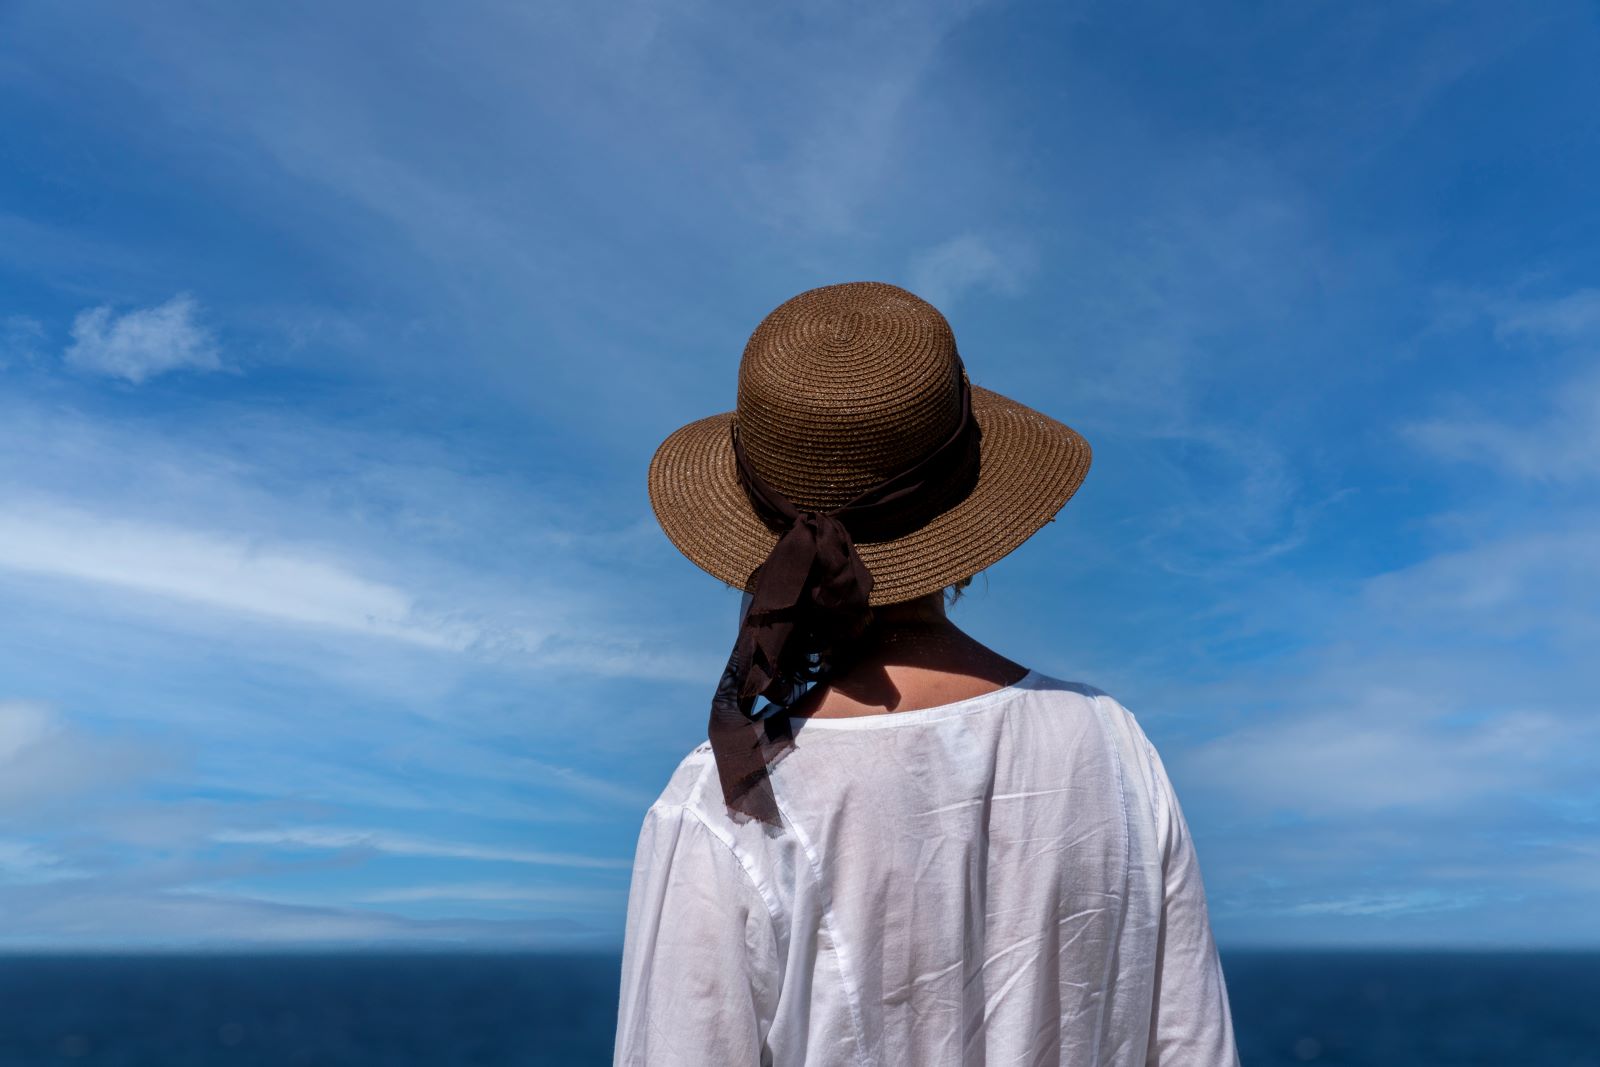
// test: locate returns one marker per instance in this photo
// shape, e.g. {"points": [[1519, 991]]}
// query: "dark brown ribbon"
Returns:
{"points": [[810, 597]]}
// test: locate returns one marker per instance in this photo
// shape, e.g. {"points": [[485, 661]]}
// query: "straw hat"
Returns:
{"points": [[840, 388]]}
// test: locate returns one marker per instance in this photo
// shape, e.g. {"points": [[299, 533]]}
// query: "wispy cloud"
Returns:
{"points": [[231, 573], [335, 838], [1561, 444], [24, 862], [1385, 750], [1387, 905], [572, 780], [256, 575], [846, 130], [948, 271], [45, 761], [1571, 318], [143, 343], [1541, 580], [22, 339], [56, 919], [500, 893]]}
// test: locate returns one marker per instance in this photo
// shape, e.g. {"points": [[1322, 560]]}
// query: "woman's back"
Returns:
{"points": [[899, 858], [1007, 879]]}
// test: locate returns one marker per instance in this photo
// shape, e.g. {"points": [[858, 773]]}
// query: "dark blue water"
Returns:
{"points": [[1290, 1008]]}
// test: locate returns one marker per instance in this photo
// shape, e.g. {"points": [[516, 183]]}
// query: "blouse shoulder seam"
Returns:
{"points": [[757, 884], [1127, 846], [841, 956]]}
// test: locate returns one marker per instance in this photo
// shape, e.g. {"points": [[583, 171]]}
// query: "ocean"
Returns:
{"points": [[1373, 1009]]}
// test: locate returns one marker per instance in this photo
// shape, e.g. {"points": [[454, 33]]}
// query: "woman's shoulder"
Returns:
{"points": [[1045, 683], [695, 791], [1116, 714], [1083, 691], [1115, 721], [691, 779]]}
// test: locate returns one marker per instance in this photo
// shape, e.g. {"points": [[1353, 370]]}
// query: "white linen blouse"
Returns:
{"points": [[1007, 879]]}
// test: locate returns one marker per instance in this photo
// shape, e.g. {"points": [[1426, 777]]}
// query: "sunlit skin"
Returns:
{"points": [[915, 658]]}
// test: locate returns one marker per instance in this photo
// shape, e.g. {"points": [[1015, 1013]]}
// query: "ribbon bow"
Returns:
{"points": [[810, 596]]}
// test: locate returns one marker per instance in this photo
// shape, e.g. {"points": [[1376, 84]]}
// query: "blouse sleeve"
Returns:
{"points": [[1192, 1024], [699, 959]]}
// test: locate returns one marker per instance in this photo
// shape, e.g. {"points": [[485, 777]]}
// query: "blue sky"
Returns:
{"points": [[335, 340]]}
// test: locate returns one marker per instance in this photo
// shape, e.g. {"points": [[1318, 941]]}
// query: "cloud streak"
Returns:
{"points": [[395, 844], [1559, 446], [162, 920], [946, 272], [1392, 751], [229, 573]]}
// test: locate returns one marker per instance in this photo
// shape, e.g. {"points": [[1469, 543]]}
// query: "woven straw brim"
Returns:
{"points": [[1031, 465]]}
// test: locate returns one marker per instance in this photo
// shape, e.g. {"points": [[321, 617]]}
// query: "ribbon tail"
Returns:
{"points": [[743, 747]]}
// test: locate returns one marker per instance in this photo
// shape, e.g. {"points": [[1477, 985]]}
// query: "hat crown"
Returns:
{"points": [[844, 386]]}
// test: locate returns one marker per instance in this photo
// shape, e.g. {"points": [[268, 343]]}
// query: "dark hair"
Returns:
{"points": [[954, 592]]}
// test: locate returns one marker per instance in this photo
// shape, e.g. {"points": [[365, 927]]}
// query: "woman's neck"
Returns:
{"points": [[923, 611], [912, 656]]}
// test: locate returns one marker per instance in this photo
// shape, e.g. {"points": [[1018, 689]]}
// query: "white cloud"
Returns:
{"points": [[45, 760], [23, 724], [1561, 442], [944, 273], [335, 838], [1569, 864], [1536, 580], [1574, 317], [1386, 749], [228, 572], [1411, 699], [1387, 904], [96, 917], [585, 897], [1562, 445], [141, 344], [291, 586], [319, 531], [841, 94], [579, 783], [22, 862]]}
